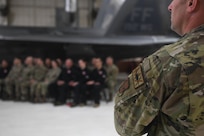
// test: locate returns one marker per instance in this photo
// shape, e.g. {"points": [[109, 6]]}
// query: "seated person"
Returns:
{"points": [[11, 79], [23, 82], [65, 83], [81, 85], [98, 81], [111, 80], [4, 70], [42, 87]]}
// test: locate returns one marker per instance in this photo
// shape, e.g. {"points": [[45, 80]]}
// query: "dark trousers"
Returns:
{"points": [[2, 90], [81, 92], [77, 94], [96, 93], [52, 89], [86, 92], [62, 92]]}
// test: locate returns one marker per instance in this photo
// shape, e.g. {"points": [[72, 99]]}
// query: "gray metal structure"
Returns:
{"points": [[134, 17], [123, 29]]}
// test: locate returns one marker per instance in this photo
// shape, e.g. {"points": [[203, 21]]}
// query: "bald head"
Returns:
{"points": [[186, 15], [29, 61]]}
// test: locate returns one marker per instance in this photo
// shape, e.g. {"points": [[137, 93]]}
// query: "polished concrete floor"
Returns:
{"points": [[26, 119]]}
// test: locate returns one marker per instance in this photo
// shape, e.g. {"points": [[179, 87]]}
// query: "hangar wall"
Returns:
{"points": [[33, 12], [49, 13]]}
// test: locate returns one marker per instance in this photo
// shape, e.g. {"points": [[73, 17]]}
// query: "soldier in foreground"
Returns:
{"points": [[164, 95]]}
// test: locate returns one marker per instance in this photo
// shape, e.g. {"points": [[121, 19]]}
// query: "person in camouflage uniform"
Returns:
{"points": [[24, 80], [112, 73], [164, 95], [38, 75], [50, 77], [10, 80]]}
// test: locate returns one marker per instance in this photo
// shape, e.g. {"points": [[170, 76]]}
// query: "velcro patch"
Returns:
{"points": [[125, 85], [138, 78]]}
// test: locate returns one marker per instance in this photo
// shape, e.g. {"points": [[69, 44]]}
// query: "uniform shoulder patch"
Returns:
{"points": [[124, 86], [137, 76]]}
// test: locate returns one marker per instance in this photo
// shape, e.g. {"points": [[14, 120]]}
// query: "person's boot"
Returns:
{"points": [[23, 99], [58, 103], [36, 100], [96, 105], [10, 97], [17, 98], [4, 96], [31, 99]]}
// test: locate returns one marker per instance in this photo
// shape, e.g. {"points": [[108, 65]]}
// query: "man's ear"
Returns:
{"points": [[192, 5]]}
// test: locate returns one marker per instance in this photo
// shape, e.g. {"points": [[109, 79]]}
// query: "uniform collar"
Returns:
{"points": [[195, 30]]}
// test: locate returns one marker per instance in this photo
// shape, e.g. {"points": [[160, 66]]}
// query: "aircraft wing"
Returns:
{"points": [[111, 40]]}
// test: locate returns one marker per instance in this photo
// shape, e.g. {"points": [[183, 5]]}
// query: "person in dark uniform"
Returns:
{"points": [[81, 89], [98, 81], [4, 70], [65, 82]]}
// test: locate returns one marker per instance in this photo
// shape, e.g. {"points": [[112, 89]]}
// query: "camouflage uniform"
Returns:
{"points": [[23, 83], [38, 76], [50, 77], [111, 80], [11, 79], [164, 96]]}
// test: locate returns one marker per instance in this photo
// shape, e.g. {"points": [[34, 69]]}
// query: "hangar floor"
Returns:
{"points": [[26, 119]]}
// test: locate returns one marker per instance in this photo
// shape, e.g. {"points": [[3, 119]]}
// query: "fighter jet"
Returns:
{"points": [[122, 29]]}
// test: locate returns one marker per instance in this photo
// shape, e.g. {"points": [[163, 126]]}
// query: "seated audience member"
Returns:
{"points": [[91, 65], [112, 73], [39, 73], [98, 81], [41, 91], [11, 79], [65, 82], [23, 82], [81, 85], [4, 70]]}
